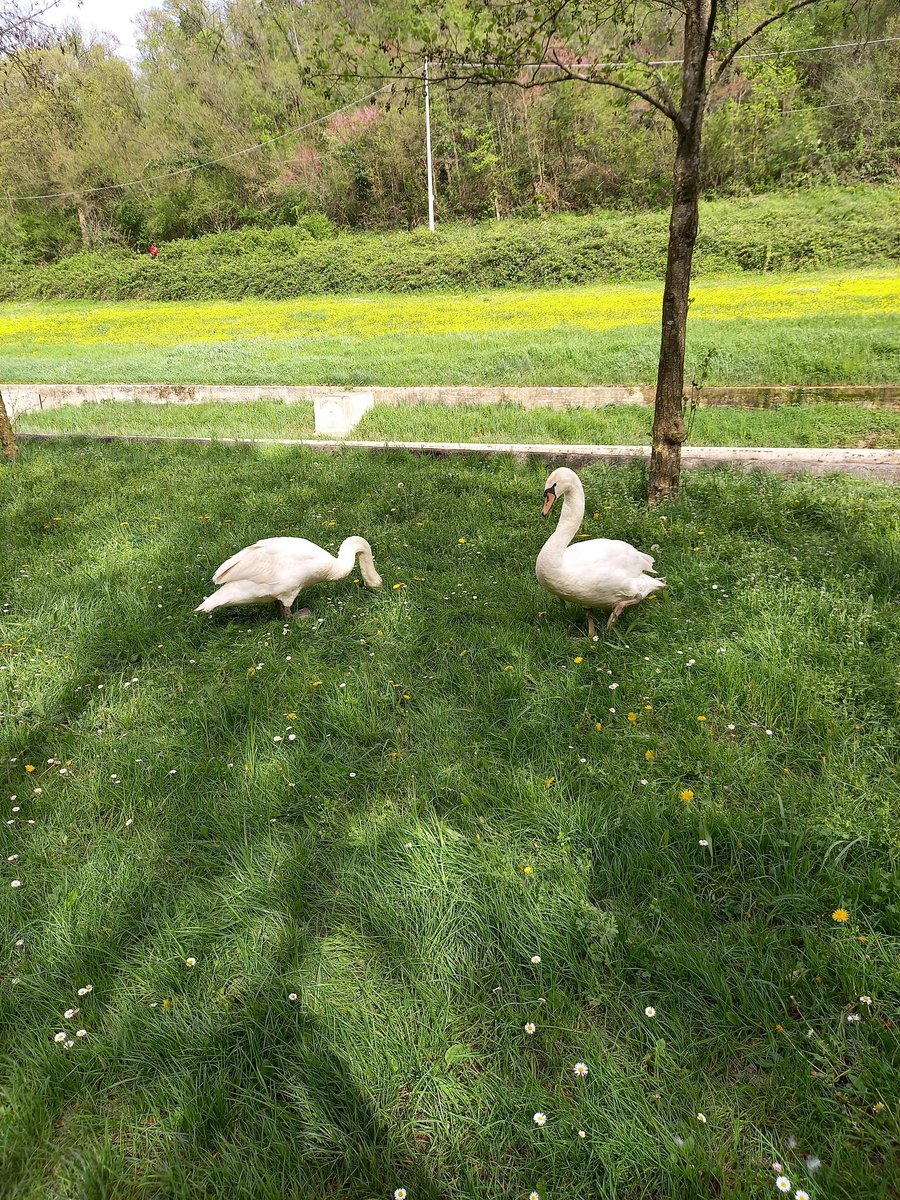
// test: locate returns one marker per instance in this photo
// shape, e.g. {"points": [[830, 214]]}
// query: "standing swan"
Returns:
{"points": [[600, 573], [277, 568]]}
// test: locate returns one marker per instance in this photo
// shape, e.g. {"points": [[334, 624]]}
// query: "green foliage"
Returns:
{"points": [[815, 228], [373, 868]]}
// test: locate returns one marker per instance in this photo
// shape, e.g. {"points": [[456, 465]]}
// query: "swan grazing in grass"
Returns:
{"points": [[600, 573], [277, 568]]}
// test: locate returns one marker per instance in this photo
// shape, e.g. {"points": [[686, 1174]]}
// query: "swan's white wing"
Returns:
{"points": [[272, 561], [609, 555]]}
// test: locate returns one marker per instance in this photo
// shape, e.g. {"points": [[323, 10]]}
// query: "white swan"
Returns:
{"points": [[601, 573], [277, 568]]}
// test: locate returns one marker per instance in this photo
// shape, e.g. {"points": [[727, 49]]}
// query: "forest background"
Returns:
{"points": [[211, 79]]}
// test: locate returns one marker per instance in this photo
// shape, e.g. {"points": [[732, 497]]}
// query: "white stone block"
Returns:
{"points": [[339, 412]]}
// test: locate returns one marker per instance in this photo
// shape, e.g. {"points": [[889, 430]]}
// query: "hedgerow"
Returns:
{"points": [[826, 227]]}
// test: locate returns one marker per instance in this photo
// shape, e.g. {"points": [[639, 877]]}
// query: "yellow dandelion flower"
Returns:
{"points": [[687, 795], [528, 869], [632, 717], [461, 541], [701, 718], [579, 659], [649, 755], [316, 683], [598, 724], [29, 768], [551, 781], [841, 916]]}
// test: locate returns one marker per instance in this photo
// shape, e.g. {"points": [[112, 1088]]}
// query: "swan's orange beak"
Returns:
{"points": [[549, 497]]}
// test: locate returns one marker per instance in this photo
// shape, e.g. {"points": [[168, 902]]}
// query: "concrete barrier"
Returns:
{"points": [[864, 464], [22, 398]]}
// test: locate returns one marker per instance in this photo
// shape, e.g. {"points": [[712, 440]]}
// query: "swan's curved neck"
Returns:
{"points": [[346, 560], [346, 557], [569, 519]]}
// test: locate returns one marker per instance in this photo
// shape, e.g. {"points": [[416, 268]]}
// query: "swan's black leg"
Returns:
{"points": [[284, 611]]}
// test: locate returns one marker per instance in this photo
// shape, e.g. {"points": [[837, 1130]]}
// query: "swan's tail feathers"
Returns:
{"points": [[651, 585], [371, 578], [242, 591]]}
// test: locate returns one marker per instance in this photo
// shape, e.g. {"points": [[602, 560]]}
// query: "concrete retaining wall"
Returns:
{"points": [[864, 464], [23, 398]]}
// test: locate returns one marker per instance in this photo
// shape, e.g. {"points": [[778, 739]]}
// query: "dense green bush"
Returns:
{"points": [[825, 227]]}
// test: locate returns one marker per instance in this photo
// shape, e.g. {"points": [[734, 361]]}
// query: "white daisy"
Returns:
{"points": [[81, 1033], [582, 1133], [16, 883], [530, 1027], [540, 1118], [783, 1183], [70, 1013], [701, 1118], [534, 1196], [704, 841], [292, 996], [580, 1069], [649, 1011], [400, 1194], [60, 1037], [83, 991], [535, 959], [865, 999], [190, 962], [801, 1195]]}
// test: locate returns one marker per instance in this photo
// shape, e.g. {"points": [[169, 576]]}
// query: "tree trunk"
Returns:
{"points": [[7, 436], [668, 415]]}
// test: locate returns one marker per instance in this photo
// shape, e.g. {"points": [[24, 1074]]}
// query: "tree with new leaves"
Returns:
{"points": [[670, 55], [23, 26]]}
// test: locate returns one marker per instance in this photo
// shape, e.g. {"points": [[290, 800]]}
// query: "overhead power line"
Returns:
{"points": [[661, 62], [677, 62]]}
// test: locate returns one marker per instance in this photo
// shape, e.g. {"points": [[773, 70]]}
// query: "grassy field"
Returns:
{"points": [[791, 425], [308, 872], [799, 328]]}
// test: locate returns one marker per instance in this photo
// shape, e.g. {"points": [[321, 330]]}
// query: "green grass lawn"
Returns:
{"points": [[798, 328], [791, 425], [363, 828]]}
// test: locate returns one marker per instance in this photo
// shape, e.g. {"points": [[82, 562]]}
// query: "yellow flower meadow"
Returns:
{"points": [[841, 916], [595, 308]]}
